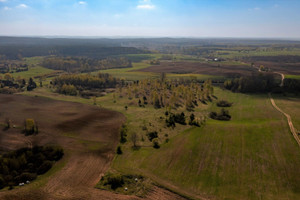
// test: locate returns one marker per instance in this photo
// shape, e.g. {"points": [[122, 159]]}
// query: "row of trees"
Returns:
{"points": [[291, 85], [180, 118], [9, 84], [70, 84], [75, 64], [25, 164], [12, 67]]}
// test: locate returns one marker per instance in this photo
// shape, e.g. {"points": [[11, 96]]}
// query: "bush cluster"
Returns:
{"points": [[123, 133], [175, 118], [224, 103], [152, 135], [25, 164], [223, 115]]}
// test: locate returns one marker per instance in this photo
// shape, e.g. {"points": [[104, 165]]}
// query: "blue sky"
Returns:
{"points": [[172, 18]]}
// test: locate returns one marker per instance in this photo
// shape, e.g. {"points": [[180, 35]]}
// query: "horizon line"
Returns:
{"points": [[148, 37]]}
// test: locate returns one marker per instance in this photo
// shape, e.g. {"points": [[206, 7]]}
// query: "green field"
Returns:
{"points": [[291, 105], [251, 157], [292, 76], [34, 69]]}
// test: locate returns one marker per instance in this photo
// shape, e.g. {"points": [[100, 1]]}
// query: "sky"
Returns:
{"points": [[151, 18]]}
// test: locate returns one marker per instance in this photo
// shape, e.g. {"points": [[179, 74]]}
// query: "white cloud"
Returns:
{"points": [[82, 2], [145, 5], [6, 8], [2, 0], [22, 5], [117, 15], [254, 9]]}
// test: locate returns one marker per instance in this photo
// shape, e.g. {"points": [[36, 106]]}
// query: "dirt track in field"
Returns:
{"points": [[289, 120], [89, 136]]}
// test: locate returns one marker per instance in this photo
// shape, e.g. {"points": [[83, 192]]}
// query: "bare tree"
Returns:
{"points": [[134, 139]]}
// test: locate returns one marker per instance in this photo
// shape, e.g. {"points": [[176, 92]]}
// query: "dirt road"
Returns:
{"points": [[282, 78], [289, 119]]}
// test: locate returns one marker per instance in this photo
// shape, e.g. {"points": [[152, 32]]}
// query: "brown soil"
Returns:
{"points": [[200, 68], [89, 136], [285, 68]]}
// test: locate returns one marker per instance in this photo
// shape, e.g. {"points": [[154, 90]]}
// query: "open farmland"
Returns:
{"points": [[253, 156], [163, 124], [285, 68], [89, 140], [200, 68]]}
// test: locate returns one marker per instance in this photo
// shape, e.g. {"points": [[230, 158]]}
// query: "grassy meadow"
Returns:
{"points": [[291, 105], [253, 156]]}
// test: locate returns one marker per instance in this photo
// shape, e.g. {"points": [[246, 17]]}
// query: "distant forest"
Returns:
{"points": [[79, 64], [17, 47]]}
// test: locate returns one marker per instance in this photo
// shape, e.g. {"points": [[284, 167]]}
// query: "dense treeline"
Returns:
{"points": [[73, 64], [17, 52], [250, 84], [69, 84], [23, 165], [291, 85]]}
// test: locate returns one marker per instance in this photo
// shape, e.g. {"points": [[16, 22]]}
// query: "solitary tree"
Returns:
{"points": [[134, 139]]}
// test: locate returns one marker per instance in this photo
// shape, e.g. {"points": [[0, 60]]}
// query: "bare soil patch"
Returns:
{"points": [[88, 134], [285, 68]]}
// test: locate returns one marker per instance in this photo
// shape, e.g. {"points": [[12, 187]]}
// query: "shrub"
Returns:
{"points": [[31, 84], [180, 118], [119, 150], [152, 135], [223, 103], [223, 115], [123, 133], [30, 127], [171, 121], [155, 143], [115, 181]]}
